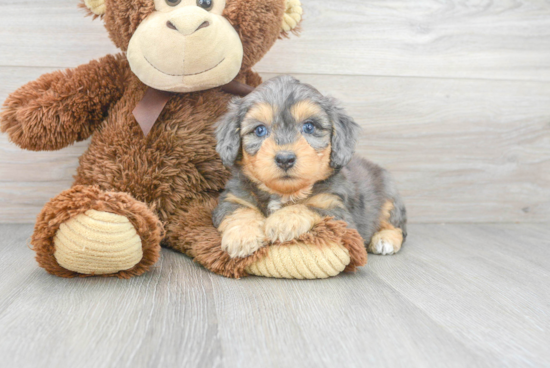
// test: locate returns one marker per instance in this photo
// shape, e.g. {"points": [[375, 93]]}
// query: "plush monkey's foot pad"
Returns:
{"points": [[86, 232], [98, 243], [327, 250]]}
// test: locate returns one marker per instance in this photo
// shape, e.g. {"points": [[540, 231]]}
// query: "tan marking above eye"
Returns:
{"points": [[262, 112], [304, 110]]}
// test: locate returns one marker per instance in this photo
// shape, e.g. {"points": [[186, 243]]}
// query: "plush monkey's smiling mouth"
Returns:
{"points": [[183, 75]]}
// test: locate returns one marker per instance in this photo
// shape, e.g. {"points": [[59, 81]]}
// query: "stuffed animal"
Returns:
{"points": [[151, 174]]}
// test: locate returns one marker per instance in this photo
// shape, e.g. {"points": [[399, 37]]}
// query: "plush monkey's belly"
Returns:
{"points": [[176, 164]]}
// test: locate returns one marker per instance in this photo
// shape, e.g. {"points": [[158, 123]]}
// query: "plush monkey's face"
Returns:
{"points": [[286, 137], [185, 46], [194, 45]]}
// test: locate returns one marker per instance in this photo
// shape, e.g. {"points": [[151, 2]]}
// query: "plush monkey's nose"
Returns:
{"points": [[189, 20], [203, 25], [285, 159], [171, 25]]}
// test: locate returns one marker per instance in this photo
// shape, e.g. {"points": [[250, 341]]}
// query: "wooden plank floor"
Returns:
{"points": [[458, 295]]}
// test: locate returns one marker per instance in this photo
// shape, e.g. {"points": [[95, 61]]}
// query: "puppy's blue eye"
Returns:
{"points": [[260, 131], [308, 128]]}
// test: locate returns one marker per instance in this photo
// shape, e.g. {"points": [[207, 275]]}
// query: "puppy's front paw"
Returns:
{"points": [[242, 241], [386, 242], [289, 223], [243, 233]]}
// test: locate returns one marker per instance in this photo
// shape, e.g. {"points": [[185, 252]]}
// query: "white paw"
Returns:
{"points": [[386, 242], [383, 247], [242, 241]]}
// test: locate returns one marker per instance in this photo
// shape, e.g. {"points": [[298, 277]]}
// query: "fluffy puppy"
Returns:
{"points": [[291, 151]]}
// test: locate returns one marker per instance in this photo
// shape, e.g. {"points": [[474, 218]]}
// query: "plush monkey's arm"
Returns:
{"points": [[64, 106]]}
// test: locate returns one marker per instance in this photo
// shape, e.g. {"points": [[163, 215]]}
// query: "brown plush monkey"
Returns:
{"points": [[133, 190]]}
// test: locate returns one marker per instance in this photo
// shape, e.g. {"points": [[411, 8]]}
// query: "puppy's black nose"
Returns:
{"points": [[285, 159]]}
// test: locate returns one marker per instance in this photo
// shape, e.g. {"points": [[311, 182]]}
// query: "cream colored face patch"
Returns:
{"points": [[311, 166], [185, 48], [304, 110]]}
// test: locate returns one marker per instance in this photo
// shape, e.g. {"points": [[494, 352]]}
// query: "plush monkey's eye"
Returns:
{"points": [[205, 4], [260, 131], [173, 2], [308, 128]]}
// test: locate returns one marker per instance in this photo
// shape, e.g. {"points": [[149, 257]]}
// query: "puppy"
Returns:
{"points": [[291, 151]]}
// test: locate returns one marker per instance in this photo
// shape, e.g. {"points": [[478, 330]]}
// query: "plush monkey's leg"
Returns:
{"points": [[191, 226], [87, 232]]}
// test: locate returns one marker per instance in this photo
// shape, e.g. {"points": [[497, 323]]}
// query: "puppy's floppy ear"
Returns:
{"points": [[228, 133], [344, 136]]}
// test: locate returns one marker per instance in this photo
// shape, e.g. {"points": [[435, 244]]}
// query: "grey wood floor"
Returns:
{"points": [[458, 295]]}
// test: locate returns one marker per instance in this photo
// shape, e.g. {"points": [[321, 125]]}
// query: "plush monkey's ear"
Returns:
{"points": [[97, 7], [228, 133], [344, 137], [292, 16]]}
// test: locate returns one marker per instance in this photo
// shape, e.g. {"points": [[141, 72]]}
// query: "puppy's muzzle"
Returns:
{"points": [[285, 160]]}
